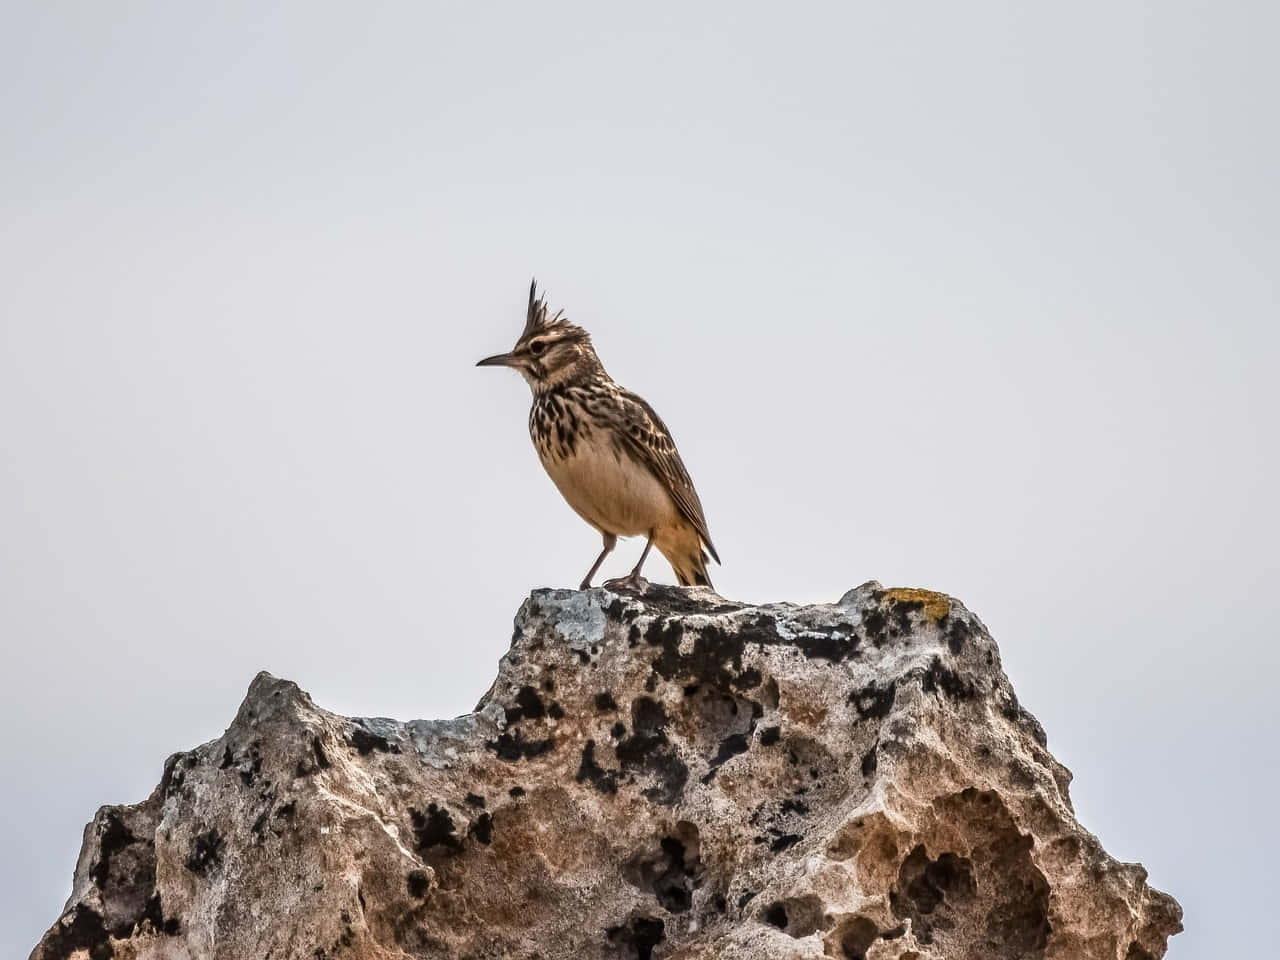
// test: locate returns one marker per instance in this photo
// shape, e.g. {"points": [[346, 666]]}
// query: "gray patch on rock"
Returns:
{"points": [[579, 620]]}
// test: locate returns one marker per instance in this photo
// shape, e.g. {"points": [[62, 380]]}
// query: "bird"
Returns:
{"points": [[606, 450]]}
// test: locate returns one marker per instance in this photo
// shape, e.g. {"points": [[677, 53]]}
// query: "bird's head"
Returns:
{"points": [[551, 351]]}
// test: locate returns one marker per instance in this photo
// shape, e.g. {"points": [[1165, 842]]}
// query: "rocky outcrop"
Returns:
{"points": [[664, 775]]}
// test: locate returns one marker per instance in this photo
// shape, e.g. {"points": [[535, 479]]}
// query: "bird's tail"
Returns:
{"points": [[691, 569]]}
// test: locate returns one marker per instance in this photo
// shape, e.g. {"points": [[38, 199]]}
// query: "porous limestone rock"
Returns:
{"points": [[669, 775]]}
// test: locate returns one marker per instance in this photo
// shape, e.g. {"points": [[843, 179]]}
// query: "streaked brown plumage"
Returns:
{"points": [[606, 450]]}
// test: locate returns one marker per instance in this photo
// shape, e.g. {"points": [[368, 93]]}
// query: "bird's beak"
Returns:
{"points": [[499, 360]]}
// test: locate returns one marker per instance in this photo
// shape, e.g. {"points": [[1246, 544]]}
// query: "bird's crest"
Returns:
{"points": [[537, 318]]}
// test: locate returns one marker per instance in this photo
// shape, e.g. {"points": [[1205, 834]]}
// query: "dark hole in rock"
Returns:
{"points": [[929, 883], [673, 871], [367, 742], [482, 828], [86, 932], [638, 936], [647, 715], [115, 837], [528, 706], [434, 828], [418, 883], [785, 842], [730, 747], [1010, 921], [799, 916], [513, 747], [854, 938], [605, 702], [154, 913], [870, 761], [205, 851], [874, 703], [590, 771], [940, 679], [958, 632], [317, 749], [648, 750]]}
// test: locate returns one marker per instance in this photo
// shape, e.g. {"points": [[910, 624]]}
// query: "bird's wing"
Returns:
{"points": [[647, 438]]}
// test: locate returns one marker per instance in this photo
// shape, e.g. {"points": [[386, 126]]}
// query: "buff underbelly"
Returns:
{"points": [[610, 491]]}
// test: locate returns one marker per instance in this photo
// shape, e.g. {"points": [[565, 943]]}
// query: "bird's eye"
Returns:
{"points": [[537, 347]]}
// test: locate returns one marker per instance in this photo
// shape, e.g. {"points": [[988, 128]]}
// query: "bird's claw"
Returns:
{"points": [[630, 582]]}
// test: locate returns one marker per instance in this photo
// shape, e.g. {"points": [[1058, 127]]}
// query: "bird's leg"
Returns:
{"points": [[610, 541], [633, 580]]}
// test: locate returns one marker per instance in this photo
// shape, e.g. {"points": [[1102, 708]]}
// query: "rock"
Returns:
{"points": [[665, 775]]}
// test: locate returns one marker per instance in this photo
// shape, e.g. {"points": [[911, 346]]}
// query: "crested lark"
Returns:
{"points": [[609, 454]]}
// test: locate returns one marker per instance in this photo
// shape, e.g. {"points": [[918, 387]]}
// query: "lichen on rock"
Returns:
{"points": [[662, 775]]}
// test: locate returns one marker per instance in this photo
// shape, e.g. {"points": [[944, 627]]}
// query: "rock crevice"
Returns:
{"points": [[662, 775]]}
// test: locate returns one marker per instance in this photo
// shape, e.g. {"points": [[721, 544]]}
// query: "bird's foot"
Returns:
{"points": [[632, 581]]}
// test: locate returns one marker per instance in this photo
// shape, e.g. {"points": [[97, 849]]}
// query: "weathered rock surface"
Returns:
{"points": [[669, 775]]}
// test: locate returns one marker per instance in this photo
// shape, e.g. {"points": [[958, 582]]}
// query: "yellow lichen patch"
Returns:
{"points": [[936, 605]]}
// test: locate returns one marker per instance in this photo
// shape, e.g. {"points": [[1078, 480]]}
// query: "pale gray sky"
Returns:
{"points": [[979, 297]]}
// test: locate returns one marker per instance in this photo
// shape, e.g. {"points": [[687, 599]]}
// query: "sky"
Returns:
{"points": [[975, 297]]}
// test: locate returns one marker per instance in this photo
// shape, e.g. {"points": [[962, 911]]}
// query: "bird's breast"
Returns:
{"points": [[604, 484]]}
